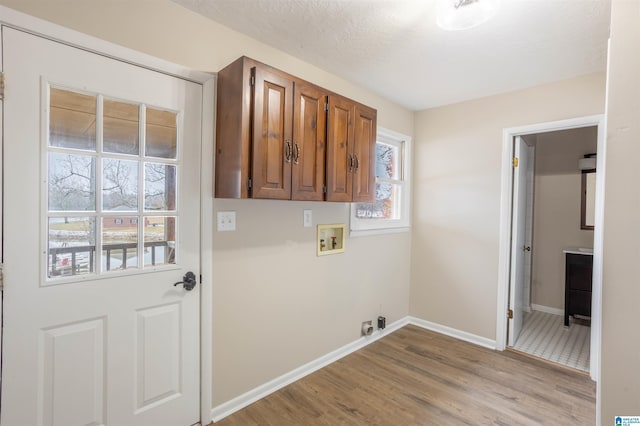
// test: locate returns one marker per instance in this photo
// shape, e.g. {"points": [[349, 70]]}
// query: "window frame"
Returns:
{"points": [[99, 213], [361, 227]]}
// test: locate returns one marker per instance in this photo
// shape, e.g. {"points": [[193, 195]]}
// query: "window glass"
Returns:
{"points": [[119, 243], [159, 186], [119, 185], [121, 127], [72, 119], [386, 205], [387, 161], [71, 246], [159, 240], [391, 208], [71, 183], [89, 153], [162, 134]]}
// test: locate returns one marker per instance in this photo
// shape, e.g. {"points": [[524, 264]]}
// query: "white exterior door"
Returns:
{"points": [[520, 247], [101, 218]]}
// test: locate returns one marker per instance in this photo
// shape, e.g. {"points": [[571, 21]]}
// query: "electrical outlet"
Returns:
{"points": [[226, 221], [382, 322], [307, 218]]}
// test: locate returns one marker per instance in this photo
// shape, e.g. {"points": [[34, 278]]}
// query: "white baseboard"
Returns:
{"points": [[547, 309], [453, 332], [231, 406]]}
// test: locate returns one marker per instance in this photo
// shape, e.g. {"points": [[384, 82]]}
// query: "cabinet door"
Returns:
{"points": [[272, 141], [364, 151], [579, 272], [339, 149], [309, 147]]}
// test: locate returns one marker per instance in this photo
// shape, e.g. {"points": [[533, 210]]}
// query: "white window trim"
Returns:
{"points": [[362, 227]]}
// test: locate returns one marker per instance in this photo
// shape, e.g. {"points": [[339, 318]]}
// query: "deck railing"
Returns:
{"points": [[78, 261]]}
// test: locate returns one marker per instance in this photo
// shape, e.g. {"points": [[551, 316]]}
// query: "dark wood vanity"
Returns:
{"points": [[577, 285]]}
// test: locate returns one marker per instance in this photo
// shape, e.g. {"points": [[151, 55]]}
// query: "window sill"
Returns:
{"points": [[367, 232]]}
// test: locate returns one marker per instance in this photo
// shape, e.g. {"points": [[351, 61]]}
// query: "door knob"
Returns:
{"points": [[188, 281], [526, 248]]}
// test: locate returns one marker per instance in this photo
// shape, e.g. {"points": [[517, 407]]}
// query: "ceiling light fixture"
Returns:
{"points": [[456, 15]]}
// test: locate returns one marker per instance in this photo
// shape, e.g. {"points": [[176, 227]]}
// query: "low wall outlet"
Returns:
{"points": [[226, 221], [382, 322]]}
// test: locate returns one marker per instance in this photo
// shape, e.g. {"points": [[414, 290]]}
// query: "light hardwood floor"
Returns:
{"points": [[417, 377]]}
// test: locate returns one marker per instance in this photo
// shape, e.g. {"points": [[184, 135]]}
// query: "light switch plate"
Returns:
{"points": [[226, 221], [307, 219]]}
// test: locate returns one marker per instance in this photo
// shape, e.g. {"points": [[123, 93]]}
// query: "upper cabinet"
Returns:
{"points": [[280, 137]]}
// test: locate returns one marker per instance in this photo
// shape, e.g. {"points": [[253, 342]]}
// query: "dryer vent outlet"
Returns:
{"points": [[367, 328]]}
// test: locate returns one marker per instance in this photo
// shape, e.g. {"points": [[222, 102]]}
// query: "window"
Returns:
{"points": [[111, 166], [390, 212]]}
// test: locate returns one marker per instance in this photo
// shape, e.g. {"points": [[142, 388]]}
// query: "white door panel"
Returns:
{"points": [[103, 346], [520, 247]]}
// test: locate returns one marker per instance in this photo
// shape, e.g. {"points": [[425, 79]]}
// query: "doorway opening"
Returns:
{"points": [[542, 235]]}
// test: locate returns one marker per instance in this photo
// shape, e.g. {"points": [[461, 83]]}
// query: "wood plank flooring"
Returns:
{"points": [[417, 377]]}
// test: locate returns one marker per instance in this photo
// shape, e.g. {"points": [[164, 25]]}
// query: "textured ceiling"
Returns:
{"points": [[395, 48]]}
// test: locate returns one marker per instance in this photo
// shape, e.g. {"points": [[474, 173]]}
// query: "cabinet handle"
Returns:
{"points": [[350, 163], [356, 162], [296, 153], [287, 151]]}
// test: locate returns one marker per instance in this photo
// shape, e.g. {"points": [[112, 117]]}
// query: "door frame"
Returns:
{"points": [[506, 198], [57, 33]]}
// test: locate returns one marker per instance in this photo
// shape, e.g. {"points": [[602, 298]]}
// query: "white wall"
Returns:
{"points": [[620, 367], [457, 171], [276, 304]]}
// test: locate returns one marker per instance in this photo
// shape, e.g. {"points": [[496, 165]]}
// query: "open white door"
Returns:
{"points": [[101, 218], [520, 247]]}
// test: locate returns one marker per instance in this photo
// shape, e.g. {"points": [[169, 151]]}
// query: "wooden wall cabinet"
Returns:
{"points": [[280, 137]]}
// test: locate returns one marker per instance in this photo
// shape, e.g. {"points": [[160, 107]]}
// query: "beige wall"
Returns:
{"points": [[457, 170], [269, 276], [276, 305], [620, 380], [556, 217]]}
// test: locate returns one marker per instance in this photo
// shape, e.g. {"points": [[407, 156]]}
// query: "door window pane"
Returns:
{"points": [[119, 243], [71, 246], [159, 186], [159, 240], [97, 234], [119, 185], [71, 183], [162, 134], [121, 127], [72, 120]]}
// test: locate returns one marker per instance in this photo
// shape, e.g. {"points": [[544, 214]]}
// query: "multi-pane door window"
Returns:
{"points": [[391, 207], [112, 171]]}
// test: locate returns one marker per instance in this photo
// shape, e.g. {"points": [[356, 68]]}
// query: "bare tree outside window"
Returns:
{"points": [[159, 186], [386, 168], [119, 185], [72, 182]]}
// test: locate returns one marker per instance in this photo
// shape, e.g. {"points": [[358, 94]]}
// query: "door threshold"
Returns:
{"points": [[546, 361]]}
